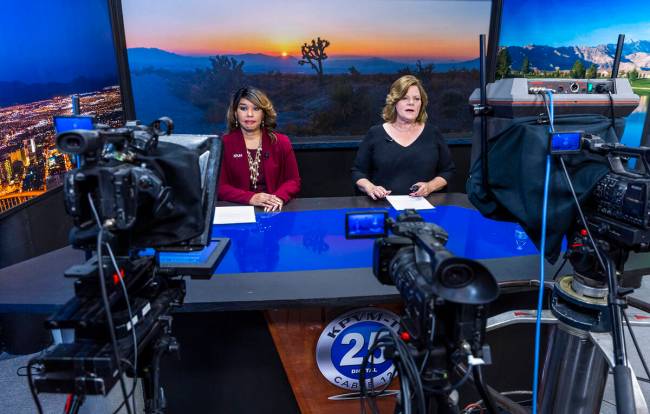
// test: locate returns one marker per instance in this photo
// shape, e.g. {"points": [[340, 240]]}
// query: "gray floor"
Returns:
{"points": [[15, 397]]}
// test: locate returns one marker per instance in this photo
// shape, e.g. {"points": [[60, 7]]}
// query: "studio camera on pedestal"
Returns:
{"points": [[142, 202]]}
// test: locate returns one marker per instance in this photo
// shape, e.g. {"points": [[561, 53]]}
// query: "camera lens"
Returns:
{"points": [[456, 276]]}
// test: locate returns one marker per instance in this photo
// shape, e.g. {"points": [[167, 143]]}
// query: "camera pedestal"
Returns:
{"points": [[576, 360]]}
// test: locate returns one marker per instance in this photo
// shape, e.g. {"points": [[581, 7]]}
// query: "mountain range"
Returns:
{"points": [[636, 55], [16, 92], [143, 58]]}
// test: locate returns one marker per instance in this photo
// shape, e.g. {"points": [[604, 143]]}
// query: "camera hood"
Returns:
{"points": [[464, 281]]}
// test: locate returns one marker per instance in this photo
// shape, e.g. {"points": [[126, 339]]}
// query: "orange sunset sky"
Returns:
{"points": [[426, 29]]}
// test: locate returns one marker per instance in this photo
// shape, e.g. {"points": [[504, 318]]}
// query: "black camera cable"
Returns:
{"points": [[405, 366], [134, 366], [369, 359], [107, 307], [128, 307], [109, 318], [32, 389], [364, 394], [119, 407], [479, 384]]}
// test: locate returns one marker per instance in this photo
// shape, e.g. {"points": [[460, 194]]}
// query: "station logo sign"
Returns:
{"points": [[346, 340]]}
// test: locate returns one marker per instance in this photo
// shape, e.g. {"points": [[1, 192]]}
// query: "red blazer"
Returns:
{"points": [[278, 160]]}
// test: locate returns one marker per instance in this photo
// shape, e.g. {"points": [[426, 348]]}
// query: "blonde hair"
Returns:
{"points": [[260, 100], [398, 90]]}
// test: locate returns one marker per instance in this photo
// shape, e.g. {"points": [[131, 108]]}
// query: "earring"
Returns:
{"points": [[236, 123], [262, 123]]}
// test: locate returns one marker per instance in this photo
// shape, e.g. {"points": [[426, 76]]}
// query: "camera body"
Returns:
{"points": [[145, 190], [387, 248], [621, 210], [116, 172], [433, 283], [619, 207]]}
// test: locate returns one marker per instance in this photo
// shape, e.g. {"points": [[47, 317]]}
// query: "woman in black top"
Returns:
{"points": [[405, 155]]}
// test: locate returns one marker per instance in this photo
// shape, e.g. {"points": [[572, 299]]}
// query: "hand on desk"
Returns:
{"points": [[270, 202], [420, 189], [423, 189]]}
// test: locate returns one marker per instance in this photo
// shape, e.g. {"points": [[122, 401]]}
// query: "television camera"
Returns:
{"points": [[445, 300], [596, 200], [136, 187], [614, 223]]}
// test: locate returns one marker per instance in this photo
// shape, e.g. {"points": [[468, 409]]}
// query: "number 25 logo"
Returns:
{"points": [[354, 356]]}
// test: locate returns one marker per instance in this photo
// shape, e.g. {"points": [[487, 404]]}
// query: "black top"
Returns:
{"points": [[396, 168]]}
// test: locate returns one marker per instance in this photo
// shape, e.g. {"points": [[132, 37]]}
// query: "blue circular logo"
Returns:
{"points": [[346, 341], [353, 344]]}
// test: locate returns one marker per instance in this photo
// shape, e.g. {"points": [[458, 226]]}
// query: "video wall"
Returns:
{"points": [[50, 51], [186, 59], [584, 47]]}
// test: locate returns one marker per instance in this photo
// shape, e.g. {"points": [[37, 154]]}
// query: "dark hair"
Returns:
{"points": [[259, 99]]}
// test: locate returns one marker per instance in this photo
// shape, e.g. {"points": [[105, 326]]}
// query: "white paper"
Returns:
{"points": [[235, 214], [407, 202]]}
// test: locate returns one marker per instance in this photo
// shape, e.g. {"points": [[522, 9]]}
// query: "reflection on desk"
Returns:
{"points": [[298, 257], [315, 240]]}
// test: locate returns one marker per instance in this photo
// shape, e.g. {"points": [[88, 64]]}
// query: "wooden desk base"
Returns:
{"points": [[295, 333]]}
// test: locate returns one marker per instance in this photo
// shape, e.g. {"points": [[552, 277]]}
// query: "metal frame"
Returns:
{"points": [[493, 39], [119, 44]]}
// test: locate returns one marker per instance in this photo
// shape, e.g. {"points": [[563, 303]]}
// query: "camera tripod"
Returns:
{"points": [[577, 360]]}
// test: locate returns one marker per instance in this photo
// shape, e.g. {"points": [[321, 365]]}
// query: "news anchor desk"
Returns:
{"points": [[298, 267], [298, 257]]}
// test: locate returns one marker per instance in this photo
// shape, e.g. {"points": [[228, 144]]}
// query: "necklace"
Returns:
{"points": [[254, 165]]}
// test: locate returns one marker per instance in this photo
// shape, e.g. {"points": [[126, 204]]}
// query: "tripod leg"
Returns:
{"points": [[153, 397]]}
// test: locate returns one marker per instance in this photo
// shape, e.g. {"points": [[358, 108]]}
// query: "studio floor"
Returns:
{"points": [[15, 397]]}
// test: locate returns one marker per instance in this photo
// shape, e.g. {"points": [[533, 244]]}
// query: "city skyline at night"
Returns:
{"points": [[50, 52]]}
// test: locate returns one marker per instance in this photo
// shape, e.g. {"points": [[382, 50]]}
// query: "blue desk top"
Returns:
{"points": [[315, 240]]}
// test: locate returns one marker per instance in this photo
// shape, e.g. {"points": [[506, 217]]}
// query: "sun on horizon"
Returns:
{"points": [[284, 54]]}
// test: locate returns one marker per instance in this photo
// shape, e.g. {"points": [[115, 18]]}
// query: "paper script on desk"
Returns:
{"points": [[234, 214], [407, 202]]}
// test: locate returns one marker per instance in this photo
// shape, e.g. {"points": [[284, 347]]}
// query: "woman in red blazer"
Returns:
{"points": [[258, 166]]}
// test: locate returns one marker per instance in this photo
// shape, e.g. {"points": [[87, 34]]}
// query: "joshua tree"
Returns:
{"points": [[225, 64], [314, 54], [423, 70]]}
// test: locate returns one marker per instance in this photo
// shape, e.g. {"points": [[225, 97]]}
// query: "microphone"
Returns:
{"points": [[267, 155]]}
